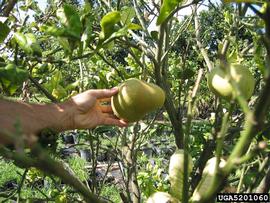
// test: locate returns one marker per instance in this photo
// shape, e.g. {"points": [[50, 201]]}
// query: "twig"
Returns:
{"points": [[264, 186], [198, 39], [187, 134], [43, 90], [21, 184], [141, 19], [112, 65], [182, 29]]}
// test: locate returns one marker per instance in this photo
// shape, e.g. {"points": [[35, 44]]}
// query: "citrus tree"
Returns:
{"points": [[211, 64]]}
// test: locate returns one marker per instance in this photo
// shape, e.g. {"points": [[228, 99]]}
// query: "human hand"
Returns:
{"points": [[92, 108]]}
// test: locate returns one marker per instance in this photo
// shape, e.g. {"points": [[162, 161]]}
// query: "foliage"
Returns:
{"points": [[70, 46]]}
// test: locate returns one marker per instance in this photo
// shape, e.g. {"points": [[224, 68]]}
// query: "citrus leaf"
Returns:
{"points": [[133, 26], [166, 8], [59, 92], [127, 14], [4, 30], [28, 43], [70, 18], [65, 44], [22, 42], [53, 30], [56, 79], [72, 86], [108, 23], [33, 44], [12, 77]]}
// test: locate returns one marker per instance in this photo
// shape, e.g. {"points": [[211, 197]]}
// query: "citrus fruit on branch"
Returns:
{"points": [[136, 98], [176, 172], [219, 81]]}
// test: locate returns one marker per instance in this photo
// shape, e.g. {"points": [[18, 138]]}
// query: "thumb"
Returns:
{"points": [[104, 93]]}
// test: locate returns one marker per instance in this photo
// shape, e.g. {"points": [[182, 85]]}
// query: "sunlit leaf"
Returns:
{"points": [[133, 26], [22, 42], [166, 8], [87, 34], [65, 44], [53, 30], [127, 14], [72, 86], [33, 43], [28, 43], [59, 92], [70, 18], [108, 24], [56, 79]]}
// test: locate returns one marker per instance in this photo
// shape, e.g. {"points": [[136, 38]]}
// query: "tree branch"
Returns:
{"points": [[43, 90], [198, 39], [9, 7], [45, 163]]}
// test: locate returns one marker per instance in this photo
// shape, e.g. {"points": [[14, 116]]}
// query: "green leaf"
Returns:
{"points": [[28, 43], [70, 18], [121, 32], [166, 8], [72, 86], [34, 44], [12, 77], [2, 62], [127, 14], [87, 35], [22, 42], [53, 30], [154, 34], [59, 92], [108, 24], [4, 30], [65, 44], [56, 79], [133, 26]]}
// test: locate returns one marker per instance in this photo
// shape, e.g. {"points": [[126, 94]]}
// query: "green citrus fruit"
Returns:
{"points": [[136, 98], [176, 172], [219, 84], [207, 179]]}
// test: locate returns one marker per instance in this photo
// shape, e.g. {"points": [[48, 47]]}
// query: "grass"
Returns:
{"points": [[9, 171], [111, 192]]}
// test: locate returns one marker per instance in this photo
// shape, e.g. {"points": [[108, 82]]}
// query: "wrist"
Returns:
{"points": [[64, 116]]}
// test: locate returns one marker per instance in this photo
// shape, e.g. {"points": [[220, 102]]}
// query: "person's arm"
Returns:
{"points": [[85, 110]]}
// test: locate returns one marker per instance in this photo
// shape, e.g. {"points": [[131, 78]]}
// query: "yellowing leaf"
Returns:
{"points": [[108, 23]]}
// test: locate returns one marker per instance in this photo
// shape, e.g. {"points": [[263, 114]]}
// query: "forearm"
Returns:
{"points": [[32, 118]]}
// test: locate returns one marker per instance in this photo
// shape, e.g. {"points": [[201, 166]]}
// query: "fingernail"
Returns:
{"points": [[114, 88]]}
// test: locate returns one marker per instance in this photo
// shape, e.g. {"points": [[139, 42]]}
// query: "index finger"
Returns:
{"points": [[104, 93]]}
